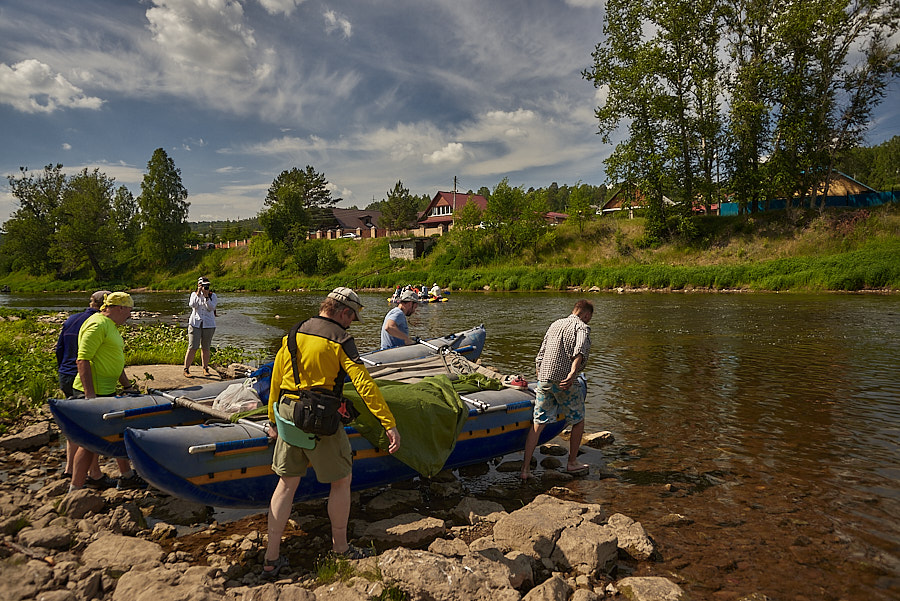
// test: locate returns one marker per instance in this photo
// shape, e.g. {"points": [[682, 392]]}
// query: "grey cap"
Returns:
{"points": [[347, 297], [409, 296]]}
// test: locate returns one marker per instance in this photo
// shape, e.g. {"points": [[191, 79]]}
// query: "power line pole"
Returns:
{"points": [[454, 193]]}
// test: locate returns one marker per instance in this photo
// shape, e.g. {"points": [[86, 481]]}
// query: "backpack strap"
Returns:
{"points": [[292, 347]]}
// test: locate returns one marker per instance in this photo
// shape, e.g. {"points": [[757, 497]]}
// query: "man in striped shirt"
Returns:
{"points": [[562, 356]]}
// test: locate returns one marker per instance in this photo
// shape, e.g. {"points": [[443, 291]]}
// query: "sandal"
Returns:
{"points": [[187, 374], [206, 372], [353, 552], [276, 564]]}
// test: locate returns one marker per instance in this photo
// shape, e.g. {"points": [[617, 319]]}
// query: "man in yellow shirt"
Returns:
{"points": [[326, 354], [101, 364]]}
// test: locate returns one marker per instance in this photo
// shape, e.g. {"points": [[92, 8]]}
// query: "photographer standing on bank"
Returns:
{"points": [[201, 325]]}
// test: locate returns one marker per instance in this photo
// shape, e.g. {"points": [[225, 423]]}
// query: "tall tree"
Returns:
{"points": [[579, 208], [625, 67], [30, 230], [751, 41], [807, 78], [163, 209], [87, 228], [125, 214], [400, 210], [512, 220], [297, 201]]}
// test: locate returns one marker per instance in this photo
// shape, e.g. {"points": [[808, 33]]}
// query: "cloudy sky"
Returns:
{"points": [[367, 92]]}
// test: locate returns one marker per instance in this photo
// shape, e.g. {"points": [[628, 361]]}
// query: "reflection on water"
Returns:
{"points": [[772, 421]]}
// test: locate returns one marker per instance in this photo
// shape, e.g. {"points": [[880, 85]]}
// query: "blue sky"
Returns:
{"points": [[367, 92]]}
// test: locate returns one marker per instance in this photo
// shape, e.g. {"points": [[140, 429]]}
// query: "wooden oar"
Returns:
{"points": [[216, 447], [191, 404]]}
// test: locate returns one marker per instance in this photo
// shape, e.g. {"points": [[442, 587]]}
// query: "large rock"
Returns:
{"points": [[394, 500], [517, 564], [473, 511], [455, 547], [51, 537], [431, 577], [552, 589], [196, 583], [21, 579], [535, 528], [587, 548], [178, 511], [408, 529], [123, 519], [632, 537], [120, 553], [598, 440], [79, 503], [32, 437], [650, 588]]}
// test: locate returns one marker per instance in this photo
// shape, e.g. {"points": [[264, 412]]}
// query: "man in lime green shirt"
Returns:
{"points": [[101, 363]]}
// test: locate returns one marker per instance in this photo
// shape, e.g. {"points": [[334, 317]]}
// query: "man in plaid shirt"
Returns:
{"points": [[563, 354]]}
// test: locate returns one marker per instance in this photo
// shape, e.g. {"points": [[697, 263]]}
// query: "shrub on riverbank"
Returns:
{"points": [[28, 374], [796, 250]]}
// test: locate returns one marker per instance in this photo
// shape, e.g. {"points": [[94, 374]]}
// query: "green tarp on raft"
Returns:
{"points": [[430, 416]]}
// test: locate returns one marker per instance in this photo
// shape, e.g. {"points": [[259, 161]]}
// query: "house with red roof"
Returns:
{"points": [[438, 215]]}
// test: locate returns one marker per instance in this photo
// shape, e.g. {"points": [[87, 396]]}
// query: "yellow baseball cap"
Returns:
{"points": [[117, 299]]}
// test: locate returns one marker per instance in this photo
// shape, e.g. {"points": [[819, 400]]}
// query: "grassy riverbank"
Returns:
{"points": [[794, 250], [28, 365]]}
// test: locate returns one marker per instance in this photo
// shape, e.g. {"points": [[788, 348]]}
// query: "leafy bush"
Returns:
{"points": [[213, 263]]}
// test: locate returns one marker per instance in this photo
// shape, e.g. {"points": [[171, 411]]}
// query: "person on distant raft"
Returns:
{"points": [[436, 291], [562, 355], [201, 325], [395, 329], [326, 356]]}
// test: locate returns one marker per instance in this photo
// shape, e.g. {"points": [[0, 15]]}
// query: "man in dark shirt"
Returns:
{"points": [[66, 355]]}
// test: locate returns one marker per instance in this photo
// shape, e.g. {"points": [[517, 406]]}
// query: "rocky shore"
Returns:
{"points": [[434, 541]]}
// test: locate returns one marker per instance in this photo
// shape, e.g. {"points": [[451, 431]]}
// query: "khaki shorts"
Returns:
{"points": [[331, 458], [200, 337]]}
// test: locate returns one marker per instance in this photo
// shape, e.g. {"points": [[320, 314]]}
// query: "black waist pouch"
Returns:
{"points": [[321, 412]]}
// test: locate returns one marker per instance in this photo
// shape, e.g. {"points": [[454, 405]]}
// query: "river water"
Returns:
{"points": [[771, 421]]}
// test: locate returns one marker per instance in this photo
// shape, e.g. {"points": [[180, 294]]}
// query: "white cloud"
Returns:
{"points": [[203, 35], [335, 21], [233, 201], [123, 173], [286, 7], [193, 143], [451, 153], [66, 146], [31, 86]]}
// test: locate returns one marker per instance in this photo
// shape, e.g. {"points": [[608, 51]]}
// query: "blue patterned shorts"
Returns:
{"points": [[551, 399]]}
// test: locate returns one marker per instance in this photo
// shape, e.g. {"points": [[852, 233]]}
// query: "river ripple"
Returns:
{"points": [[770, 420]]}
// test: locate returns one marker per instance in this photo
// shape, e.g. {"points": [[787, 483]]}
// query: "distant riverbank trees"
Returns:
{"points": [[795, 96], [65, 225]]}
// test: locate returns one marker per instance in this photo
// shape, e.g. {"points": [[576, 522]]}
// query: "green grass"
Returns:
{"points": [[28, 374], [333, 568]]}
